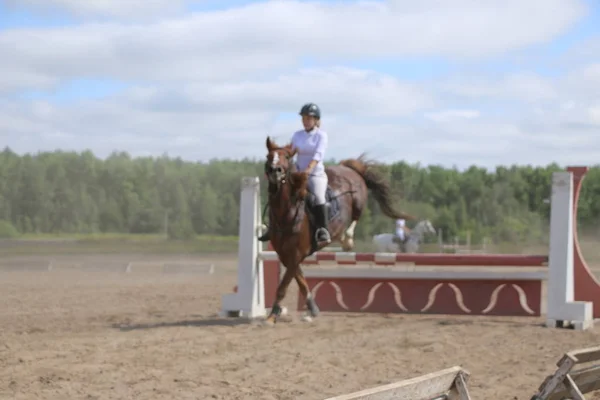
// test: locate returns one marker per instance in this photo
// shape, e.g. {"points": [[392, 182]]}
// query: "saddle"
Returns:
{"points": [[399, 241]]}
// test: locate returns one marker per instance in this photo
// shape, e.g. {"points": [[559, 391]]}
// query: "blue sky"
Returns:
{"points": [[470, 83]]}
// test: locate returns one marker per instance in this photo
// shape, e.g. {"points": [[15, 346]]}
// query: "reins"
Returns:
{"points": [[294, 201]]}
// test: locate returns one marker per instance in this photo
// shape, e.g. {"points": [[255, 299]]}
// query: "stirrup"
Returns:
{"points": [[322, 235], [265, 236]]}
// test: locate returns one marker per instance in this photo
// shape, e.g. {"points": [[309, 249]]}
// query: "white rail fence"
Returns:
{"points": [[126, 267]]}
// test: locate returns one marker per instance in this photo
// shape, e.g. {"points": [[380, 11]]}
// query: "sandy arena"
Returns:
{"points": [[98, 333]]}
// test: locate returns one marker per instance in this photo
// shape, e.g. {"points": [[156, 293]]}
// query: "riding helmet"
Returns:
{"points": [[311, 109]]}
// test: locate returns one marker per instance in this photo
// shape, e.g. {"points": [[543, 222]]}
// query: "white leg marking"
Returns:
{"points": [[350, 230], [348, 237]]}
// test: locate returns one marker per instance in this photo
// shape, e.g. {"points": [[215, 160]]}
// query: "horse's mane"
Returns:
{"points": [[299, 182]]}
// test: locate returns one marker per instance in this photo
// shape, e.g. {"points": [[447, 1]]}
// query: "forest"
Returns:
{"points": [[77, 192]]}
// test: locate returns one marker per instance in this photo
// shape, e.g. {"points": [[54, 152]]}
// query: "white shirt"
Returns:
{"points": [[311, 146], [400, 227]]}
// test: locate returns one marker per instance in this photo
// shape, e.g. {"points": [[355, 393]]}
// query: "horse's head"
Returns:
{"points": [[428, 227], [279, 167], [424, 227]]}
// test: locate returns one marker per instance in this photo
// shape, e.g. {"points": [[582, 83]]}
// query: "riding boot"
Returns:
{"points": [[321, 220], [265, 236]]}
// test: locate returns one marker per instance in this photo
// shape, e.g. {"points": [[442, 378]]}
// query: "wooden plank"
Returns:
{"points": [[573, 389], [550, 384], [586, 355], [586, 379], [421, 388], [460, 383]]}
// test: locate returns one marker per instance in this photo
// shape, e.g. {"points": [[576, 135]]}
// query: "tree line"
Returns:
{"points": [[77, 192]]}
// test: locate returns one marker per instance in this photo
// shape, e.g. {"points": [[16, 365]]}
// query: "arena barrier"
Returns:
{"points": [[510, 285]]}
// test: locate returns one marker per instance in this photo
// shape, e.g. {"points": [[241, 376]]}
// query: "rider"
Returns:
{"points": [[400, 231], [311, 143]]}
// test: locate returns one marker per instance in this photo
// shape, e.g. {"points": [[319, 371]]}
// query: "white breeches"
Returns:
{"points": [[317, 184]]}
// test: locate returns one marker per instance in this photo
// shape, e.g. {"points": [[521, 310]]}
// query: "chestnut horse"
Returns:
{"points": [[292, 231]]}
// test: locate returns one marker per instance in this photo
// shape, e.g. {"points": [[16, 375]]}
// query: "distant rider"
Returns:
{"points": [[400, 231]]}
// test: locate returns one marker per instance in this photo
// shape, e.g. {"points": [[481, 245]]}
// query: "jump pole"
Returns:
{"points": [[249, 299], [568, 278]]}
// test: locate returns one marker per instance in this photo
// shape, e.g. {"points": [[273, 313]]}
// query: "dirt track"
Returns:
{"points": [[73, 334]]}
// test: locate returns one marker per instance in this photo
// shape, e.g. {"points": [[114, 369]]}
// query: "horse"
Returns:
{"points": [[292, 228], [385, 242]]}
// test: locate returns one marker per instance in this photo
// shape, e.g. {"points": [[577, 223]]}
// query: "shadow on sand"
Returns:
{"points": [[206, 322]]}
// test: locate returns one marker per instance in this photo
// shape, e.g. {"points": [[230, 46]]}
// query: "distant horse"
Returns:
{"points": [[386, 242], [292, 228]]}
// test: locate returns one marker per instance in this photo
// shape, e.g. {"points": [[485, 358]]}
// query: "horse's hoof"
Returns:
{"points": [[312, 307], [307, 318], [269, 321], [347, 244]]}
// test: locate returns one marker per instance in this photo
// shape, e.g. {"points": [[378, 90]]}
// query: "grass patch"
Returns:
{"points": [[116, 243]]}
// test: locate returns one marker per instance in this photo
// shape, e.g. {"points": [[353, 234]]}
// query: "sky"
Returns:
{"points": [[436, 82]]}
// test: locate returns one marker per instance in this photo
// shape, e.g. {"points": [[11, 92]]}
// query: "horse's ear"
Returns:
{"points": [[270, 144]]}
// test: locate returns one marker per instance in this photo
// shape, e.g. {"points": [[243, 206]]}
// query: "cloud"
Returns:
{"points": [[527, 87], [213, 84], [594, 114], [276, 35], [194, 124], [450, 115], [239, 114], [334, 88], [13, 79]]}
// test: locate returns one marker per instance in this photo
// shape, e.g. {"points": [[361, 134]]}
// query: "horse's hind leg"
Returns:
{"points": [[281, 291], [357, 205], [348, 237], [311, 304]]}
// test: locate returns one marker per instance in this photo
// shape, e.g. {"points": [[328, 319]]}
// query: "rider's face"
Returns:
{"points": [[308, 122]]}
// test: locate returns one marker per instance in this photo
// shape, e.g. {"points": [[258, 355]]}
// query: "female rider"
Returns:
{"points": [[311, 143]]}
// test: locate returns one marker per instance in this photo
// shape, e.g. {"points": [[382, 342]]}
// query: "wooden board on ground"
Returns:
{"points": [[447, 384], [566, 383]]}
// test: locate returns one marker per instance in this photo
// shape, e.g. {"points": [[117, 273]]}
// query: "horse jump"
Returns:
{"points": [[425, 283]]}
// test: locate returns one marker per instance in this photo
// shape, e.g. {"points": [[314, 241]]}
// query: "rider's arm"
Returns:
{"points": [[319, 152]]}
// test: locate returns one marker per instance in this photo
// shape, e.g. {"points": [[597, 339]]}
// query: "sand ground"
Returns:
{"points": [[97, 333]]}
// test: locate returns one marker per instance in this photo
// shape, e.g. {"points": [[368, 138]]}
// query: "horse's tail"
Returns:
{"points": [[379, 187]]}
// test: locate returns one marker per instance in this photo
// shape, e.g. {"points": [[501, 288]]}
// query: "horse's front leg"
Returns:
{"points": [[280, 295], [311, 304]]}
